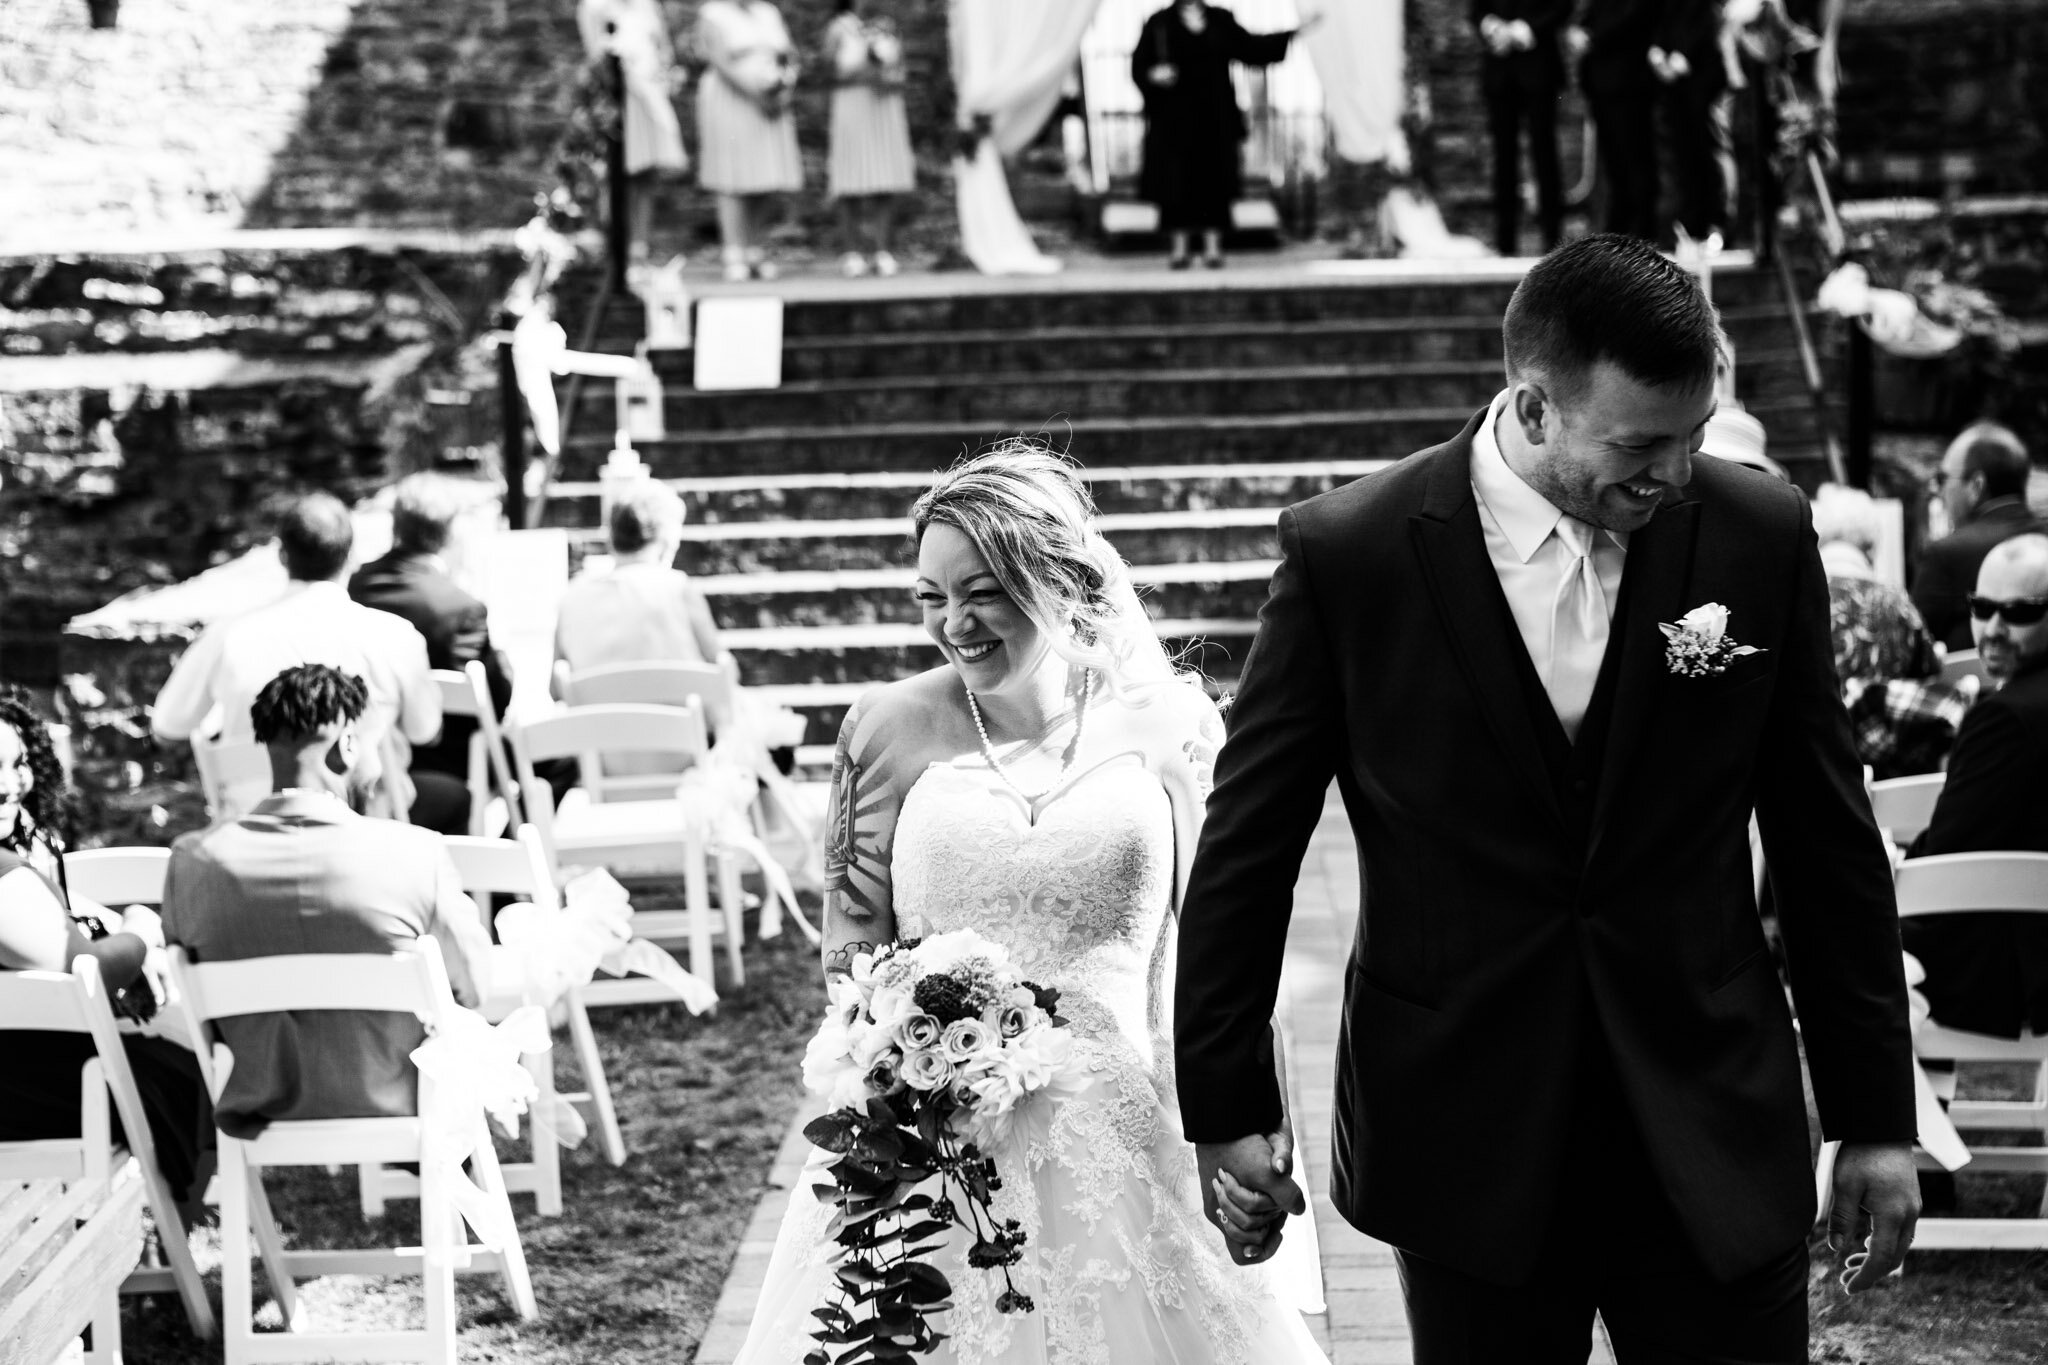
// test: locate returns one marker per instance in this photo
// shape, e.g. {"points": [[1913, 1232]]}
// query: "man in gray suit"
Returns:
{"points": [[302, 873]]}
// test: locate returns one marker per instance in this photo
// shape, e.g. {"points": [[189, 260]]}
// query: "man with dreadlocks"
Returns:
{"points": [[39, 1093], [303, 873]]}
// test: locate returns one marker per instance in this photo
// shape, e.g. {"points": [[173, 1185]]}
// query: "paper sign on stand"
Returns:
{"points": [[739, 343]]}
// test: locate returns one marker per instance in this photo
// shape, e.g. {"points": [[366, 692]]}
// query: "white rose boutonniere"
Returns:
{"points": [[1698, 645]]}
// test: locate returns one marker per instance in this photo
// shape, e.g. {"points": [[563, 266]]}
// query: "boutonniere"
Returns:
{"points": [[1698, 645]]}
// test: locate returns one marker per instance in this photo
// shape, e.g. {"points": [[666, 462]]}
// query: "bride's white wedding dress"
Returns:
{"points": [[1123, 1269]]}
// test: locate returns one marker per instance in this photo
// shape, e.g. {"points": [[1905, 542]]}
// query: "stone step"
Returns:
{"points": [[820, 670], [1356, 341], [1288, 437], [1289, 293], [1015, 400], [1216, 535], [1235, 589], [1022, 399], [889, 493]]}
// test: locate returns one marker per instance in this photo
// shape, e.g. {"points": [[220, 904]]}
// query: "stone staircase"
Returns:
{"points": [[1196, 409]]}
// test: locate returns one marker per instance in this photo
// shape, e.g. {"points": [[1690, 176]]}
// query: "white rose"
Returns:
{"points": [[998, 1089], [1037, 1056], [867, 1042], [926, 1069], [1709, 621], [965, 1039], [889, 1006], [827, 1057]]}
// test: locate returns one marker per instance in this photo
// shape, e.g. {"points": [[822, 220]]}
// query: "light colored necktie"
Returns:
{"points": [[1578, 628]]}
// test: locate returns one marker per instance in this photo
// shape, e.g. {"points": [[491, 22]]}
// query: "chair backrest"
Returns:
{"points": [[513, 867], [77, 1002], [1952, 883], [118, 876], [583, 731], [655, 684], [227, 765], [1905, 805], [1960, 664], [457, 699]]}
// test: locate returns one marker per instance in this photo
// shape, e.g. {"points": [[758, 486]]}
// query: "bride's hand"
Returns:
{"points": [[1247, 1191]]}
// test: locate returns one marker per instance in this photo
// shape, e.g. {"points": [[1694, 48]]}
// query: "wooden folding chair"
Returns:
{"points": [[1965, 883], [632, 838], [1904, 806], [412, 982], [1959, 664], [519, 867], [76, 1002], [233, 775], [115, 877]]}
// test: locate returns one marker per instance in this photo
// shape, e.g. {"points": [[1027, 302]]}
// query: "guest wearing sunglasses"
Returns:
{"points": [[1988, 973], [1982, 484]]}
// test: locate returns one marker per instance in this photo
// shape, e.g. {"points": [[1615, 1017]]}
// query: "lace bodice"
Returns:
{"points": [[1080, 896], [1117, 1256]]}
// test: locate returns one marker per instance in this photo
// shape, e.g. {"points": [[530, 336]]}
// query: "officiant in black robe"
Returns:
{"points": [[1193, 126]]}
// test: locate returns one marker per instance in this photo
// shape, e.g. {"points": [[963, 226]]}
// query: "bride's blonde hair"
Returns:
{"points": [[1025, 509]]}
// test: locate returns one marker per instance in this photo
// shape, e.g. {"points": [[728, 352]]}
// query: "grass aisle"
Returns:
{"points": [[630, 1271]]}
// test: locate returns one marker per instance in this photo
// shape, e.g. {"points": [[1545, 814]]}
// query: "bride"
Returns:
{"points": [[1044, 787]]}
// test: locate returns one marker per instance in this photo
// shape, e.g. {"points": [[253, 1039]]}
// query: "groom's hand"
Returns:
{"points": [[1876, 1195], [1248, 1190]]}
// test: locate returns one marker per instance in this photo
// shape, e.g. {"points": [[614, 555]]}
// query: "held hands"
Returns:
{"points": [[1163, 75], [1248, 1190], [1876, 1196]]}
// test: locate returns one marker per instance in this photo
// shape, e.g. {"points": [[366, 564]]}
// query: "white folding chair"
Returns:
{"points": [[1959, 664], [1962, 883], [118, 876], [519, 867], [493, 737], [233, 776], [632, 838], [1904, 806], [76, 1002], [458, 700], [412, 982], [654, 684]]}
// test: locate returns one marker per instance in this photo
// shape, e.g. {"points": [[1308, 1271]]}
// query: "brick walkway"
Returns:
{"points": [[1365, 1323]]}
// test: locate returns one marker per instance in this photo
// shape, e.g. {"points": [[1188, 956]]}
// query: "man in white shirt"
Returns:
{"points": [[213, 684], [1552, 666]]}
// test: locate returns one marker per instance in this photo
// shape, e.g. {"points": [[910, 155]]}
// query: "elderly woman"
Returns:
{"points": [[41, 931], [1905, 717]]}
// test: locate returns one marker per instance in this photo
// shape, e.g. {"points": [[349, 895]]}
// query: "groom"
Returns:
{"points": [[1568, 1080]]}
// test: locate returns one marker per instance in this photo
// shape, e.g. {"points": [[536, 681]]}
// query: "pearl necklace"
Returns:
{"points": [[988, 750]]}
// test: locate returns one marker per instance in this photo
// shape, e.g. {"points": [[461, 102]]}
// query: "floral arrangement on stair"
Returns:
{"points": [[933, 1052]]}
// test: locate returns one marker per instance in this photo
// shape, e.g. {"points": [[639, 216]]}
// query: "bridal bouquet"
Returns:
{"points": [[930, 1053]]}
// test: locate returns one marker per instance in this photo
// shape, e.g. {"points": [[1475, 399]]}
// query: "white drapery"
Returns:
{"points": [[1357, 51], [1009, 60]]}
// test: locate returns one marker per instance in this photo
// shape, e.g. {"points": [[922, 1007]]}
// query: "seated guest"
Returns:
{"points": [[413, 582], [1905, 717], [1988, 973], [302, 873], [644, 609], [39, 1085], [1982, 483], [314, 622]]}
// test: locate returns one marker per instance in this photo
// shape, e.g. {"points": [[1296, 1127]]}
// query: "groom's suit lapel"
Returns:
{"points": [[1659, 567], [1466, 590]]}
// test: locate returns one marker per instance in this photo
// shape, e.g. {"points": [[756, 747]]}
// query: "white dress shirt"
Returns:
{"points": [[1531, 558], [313, 623]]}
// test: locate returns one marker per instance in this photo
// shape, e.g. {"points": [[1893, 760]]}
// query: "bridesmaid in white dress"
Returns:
{"points": [[748, 147], [870, 161], [636, 33], [1044, 787]]}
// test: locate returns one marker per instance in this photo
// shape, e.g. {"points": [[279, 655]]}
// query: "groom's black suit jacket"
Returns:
{"points": [[1526, 899]]}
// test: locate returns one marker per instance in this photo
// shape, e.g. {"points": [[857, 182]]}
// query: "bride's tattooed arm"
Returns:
{"points": [[861, 826]]}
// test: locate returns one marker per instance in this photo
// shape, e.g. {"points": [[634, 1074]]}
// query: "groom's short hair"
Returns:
{"points": [[1610, 297]]}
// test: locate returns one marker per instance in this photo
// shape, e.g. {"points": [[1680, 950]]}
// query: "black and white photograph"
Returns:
{"points": [[1024, 682]]}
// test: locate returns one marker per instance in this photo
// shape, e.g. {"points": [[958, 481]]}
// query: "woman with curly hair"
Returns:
{"points": [[41, 930]]}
